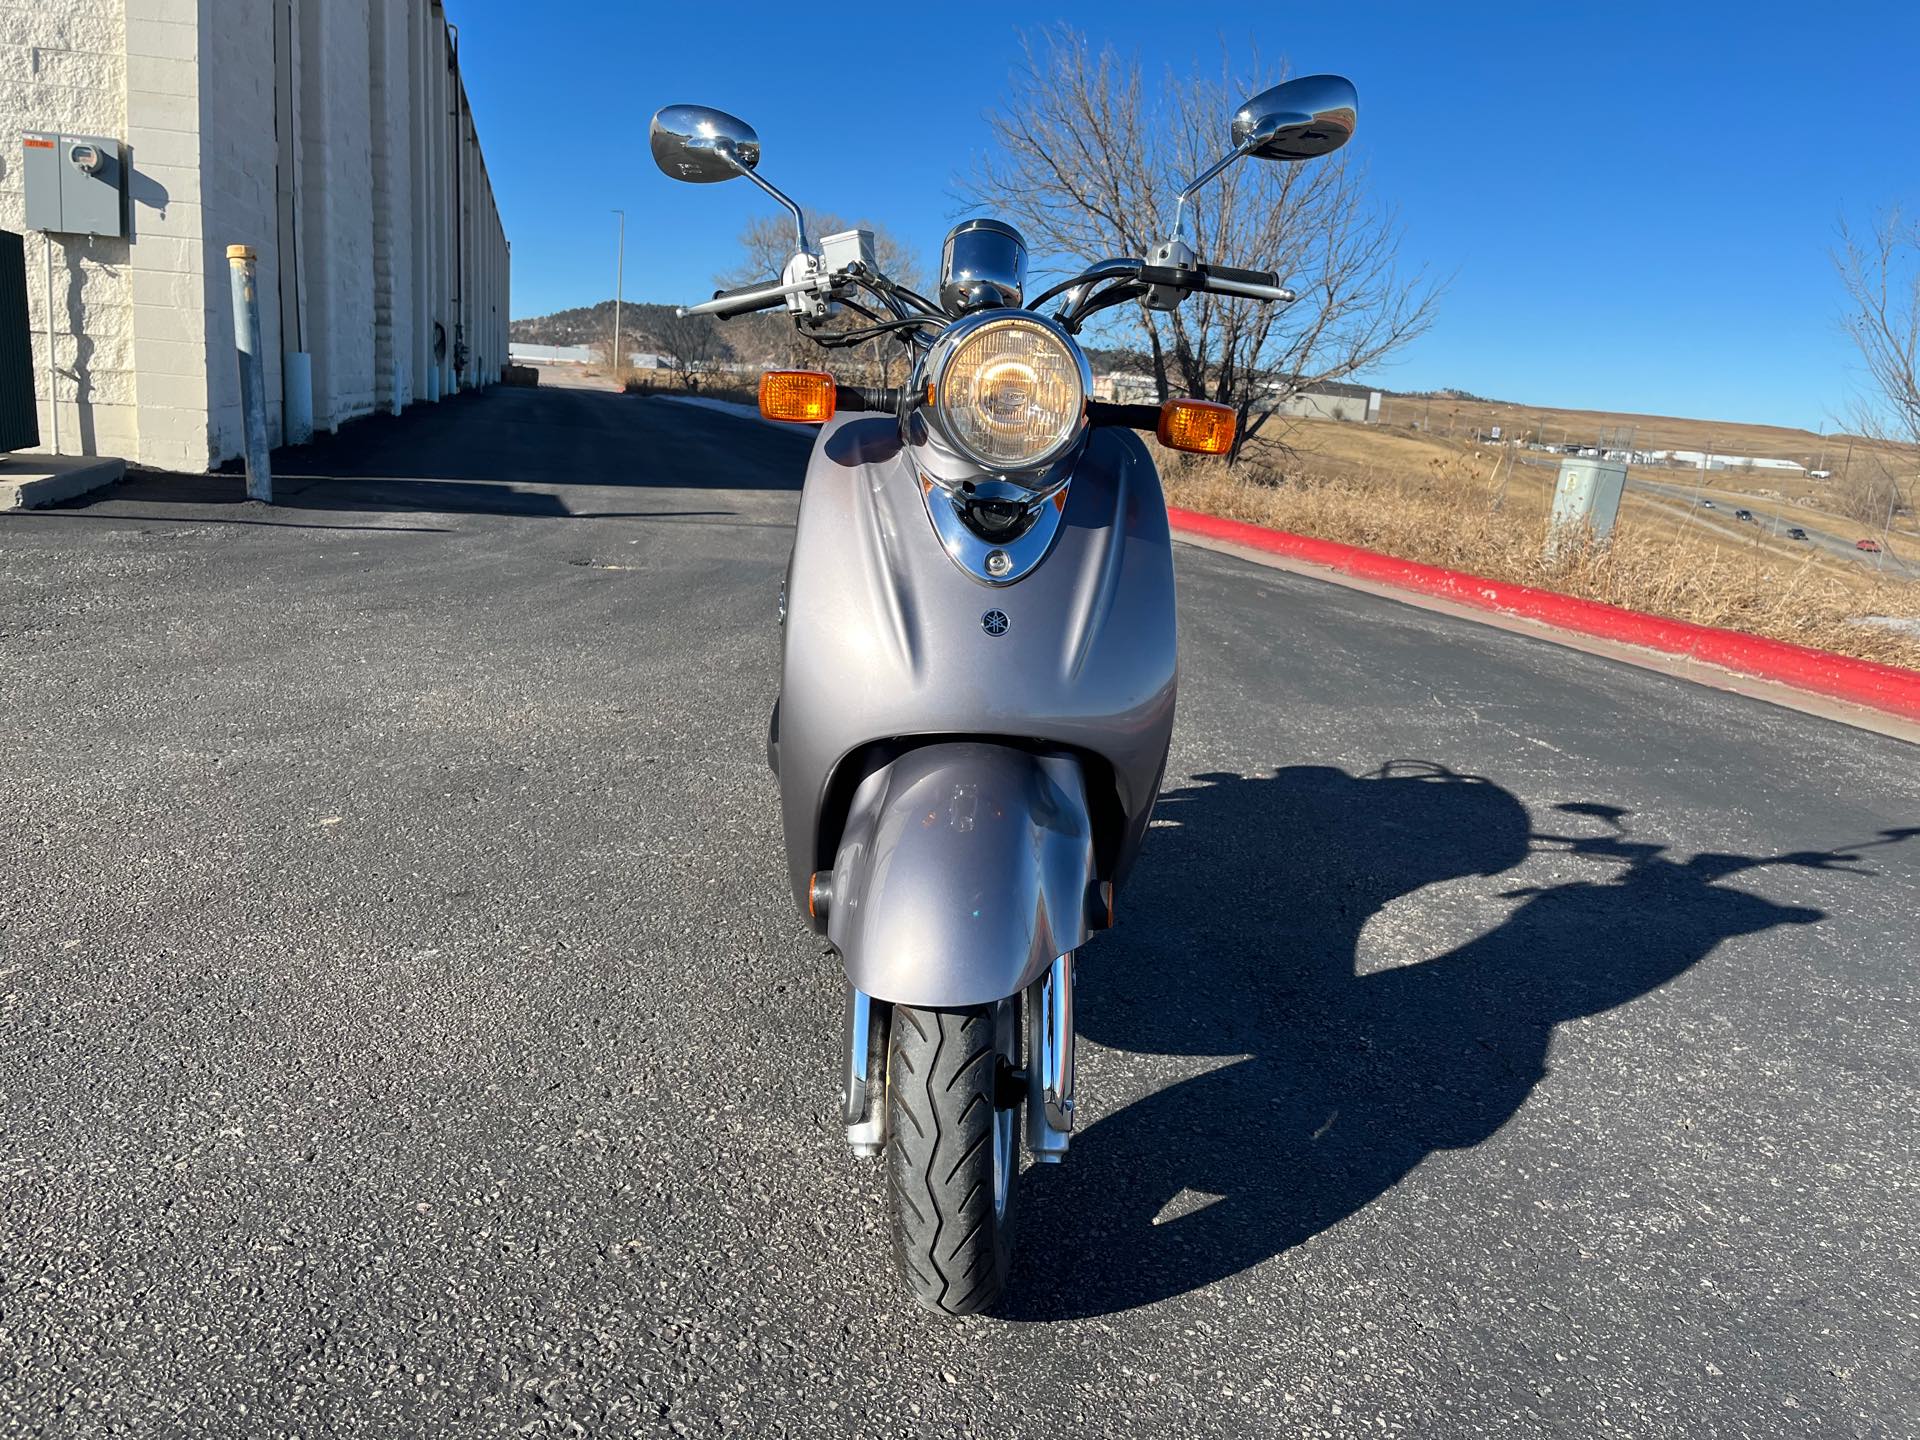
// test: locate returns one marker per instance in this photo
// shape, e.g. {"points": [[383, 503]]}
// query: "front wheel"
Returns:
{"points": [[951, 1143]]}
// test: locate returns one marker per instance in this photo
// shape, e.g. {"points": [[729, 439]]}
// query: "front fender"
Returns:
{"points": [[964, 870]]}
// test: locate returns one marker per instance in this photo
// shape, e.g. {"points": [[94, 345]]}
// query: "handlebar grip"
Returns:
{"points": [[1217, 280], [1242, 290], [740, 301], [1242, 277], [1246, 284], [1124, 417], [883, 399]]}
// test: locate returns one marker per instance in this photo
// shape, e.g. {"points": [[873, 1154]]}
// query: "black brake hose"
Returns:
{"points": [[834, 340], [1118, 295], [920, 300]]}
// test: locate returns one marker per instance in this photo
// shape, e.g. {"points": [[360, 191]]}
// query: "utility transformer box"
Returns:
{"points": [[1586, 500], [75, 184]]}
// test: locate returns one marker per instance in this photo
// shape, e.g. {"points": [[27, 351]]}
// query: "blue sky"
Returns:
{"points": [[1636, 202]]}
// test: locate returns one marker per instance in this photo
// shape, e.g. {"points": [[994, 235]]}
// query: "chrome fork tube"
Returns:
{"points": [[1050, 1062], [866, 1072]]}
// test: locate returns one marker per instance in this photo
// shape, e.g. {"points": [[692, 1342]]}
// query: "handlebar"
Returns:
{"points": [[1123, 417], [746, 299], [1220, 280], [1253, 284], [1229, 280], [882, 398]]}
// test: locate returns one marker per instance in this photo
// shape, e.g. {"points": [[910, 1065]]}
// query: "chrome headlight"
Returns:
{"points": [[1008, 391]]}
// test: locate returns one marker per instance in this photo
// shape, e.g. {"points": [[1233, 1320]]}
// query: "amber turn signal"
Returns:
{"points": [[805, 396], [1197, 425]]}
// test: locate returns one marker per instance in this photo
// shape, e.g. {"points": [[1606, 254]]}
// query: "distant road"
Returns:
{"points": [[1720, 520], [1724, 504]]}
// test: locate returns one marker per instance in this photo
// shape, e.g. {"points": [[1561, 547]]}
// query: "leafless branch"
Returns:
{"points": [[1086, 155], [1880, 272], [692, 345]]}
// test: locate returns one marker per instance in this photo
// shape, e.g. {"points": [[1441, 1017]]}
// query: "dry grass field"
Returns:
{"points": [[1479, 509], [1445, 418], [1460, 418], [1332, 449]]}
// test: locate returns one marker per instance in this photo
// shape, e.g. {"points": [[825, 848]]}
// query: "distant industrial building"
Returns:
{"points": [[522, 352], [1332, 400], [334, 137], [1713, 460], [1329, 400]]}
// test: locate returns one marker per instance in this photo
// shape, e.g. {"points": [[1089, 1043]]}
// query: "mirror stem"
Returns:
{"points": [[799, 220], [1180, 201]]}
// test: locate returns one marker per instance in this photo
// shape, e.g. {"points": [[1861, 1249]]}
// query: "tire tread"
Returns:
{"points": [[952, 1248]]}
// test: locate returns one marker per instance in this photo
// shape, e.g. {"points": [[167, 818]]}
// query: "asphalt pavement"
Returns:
{"points": [[404, 1031]]}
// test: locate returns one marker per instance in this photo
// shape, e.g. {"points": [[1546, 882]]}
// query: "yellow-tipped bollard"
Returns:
{"points": [[253, 382]]}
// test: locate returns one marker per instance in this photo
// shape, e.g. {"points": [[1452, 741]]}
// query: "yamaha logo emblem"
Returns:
{"points": [[994, 622]]}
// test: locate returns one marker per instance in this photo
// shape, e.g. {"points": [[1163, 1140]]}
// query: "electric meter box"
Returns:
{"points": [[75, 184]]}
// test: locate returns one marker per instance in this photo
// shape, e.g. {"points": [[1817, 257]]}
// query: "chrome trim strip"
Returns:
{"points": [[1050, 1062], [969, 551], [866, 1119]]}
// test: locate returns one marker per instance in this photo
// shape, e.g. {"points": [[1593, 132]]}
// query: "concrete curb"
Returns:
{"points": [[1886, 688], [28, 481]]}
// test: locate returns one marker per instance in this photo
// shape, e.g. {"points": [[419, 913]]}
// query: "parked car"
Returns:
{"points": [[1746, 515], [1796, 533], [1872, 547]]}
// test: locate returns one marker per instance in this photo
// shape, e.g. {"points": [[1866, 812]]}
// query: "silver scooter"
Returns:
{"points": [[978, 671]]}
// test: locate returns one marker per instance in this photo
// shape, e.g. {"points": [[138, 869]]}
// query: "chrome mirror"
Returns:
{"points": [[1299, 120], [700, 145]]}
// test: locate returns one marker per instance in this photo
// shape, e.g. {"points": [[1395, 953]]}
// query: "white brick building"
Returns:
{"points": [[333, 136]]}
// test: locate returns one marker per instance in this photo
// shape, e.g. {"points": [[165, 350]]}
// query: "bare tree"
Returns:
{"points": [[1881, 273], [768, 242], [691, 344], [1088, 160]]}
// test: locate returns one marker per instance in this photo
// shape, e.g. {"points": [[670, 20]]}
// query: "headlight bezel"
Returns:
{"points": [[933, 373]]}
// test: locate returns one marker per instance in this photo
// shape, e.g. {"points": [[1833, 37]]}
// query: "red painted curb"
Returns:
{"points": [[1841, 677]]}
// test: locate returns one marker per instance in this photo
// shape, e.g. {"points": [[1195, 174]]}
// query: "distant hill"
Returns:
{"points": [[751, 339], [587, 324]]}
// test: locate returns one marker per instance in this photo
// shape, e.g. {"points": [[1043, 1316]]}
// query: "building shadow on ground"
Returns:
{"points": [[505, 451], [1240, 938], [369, 495]]}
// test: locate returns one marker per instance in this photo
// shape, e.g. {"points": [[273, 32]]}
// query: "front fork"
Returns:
{"points": [[868, 1024], [1050, 1062], [1048, 1077]]}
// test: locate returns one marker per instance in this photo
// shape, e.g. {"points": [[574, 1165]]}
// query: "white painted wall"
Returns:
{"points": [[363, 243], [64, 68]]}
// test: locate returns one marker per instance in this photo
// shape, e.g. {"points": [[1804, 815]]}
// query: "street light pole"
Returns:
{"points": [[619, 280]]}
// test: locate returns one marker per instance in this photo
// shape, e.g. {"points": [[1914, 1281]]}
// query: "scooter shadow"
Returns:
{"points": [[1239, 939]]}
